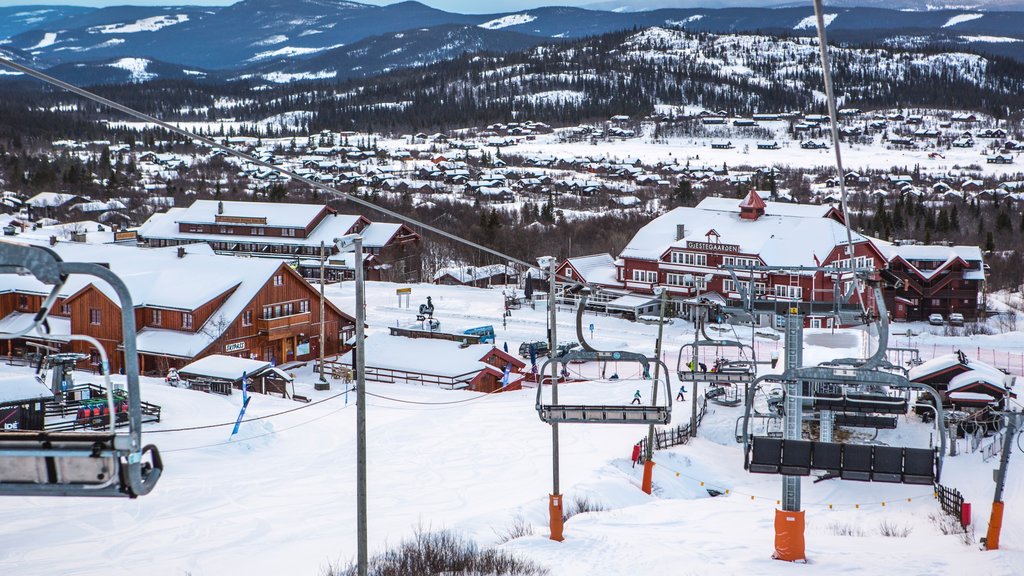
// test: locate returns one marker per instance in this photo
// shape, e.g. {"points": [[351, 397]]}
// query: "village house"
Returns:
{"points": [[285, 231], [936, 280], [189, 303]]}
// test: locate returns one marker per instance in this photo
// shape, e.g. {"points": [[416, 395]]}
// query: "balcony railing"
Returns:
{"points": [[283, 323]]}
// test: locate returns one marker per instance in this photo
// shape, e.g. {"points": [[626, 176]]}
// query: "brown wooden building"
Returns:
{"points": [[189, 303], [287, 231]]}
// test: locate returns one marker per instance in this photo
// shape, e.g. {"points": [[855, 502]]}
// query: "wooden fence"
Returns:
{"points": [[674, 436], [951, 500]]}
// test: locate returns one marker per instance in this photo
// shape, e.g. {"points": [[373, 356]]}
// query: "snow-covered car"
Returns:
{"points": [[956, 319], [936, 320]]}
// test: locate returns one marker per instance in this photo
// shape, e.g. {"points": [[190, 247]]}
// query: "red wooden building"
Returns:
{"points": [[189, 303]]}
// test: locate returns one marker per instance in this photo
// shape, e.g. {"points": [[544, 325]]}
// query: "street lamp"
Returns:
{"points": [[354, 243]]}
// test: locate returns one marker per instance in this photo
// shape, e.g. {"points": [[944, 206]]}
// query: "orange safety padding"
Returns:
{"points": [[555, 512], [789, 536], [648, 476], [995, 524]]}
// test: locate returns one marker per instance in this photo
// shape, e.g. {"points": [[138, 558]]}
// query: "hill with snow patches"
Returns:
{"points": [[278, 37]]}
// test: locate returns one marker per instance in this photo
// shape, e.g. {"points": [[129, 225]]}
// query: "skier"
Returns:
{"points": [[636, 397], [682, 390]]}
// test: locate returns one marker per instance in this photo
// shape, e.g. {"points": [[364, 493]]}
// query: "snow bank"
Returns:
{"points": [[506, 21]]}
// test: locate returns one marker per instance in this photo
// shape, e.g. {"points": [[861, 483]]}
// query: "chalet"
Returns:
{"points": [[283, 231], [992, 133], [773, 145], [766, 117], [189, 303], [1000, 159], [479, 276], [727, 145], [915, 119], [744, 122], [962, 142], [963, 117], [684, 250], [901, 141], [813, 145], [963, 382], [936, 280], [443, 363]]}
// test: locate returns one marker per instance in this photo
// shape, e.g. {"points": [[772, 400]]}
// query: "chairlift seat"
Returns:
{"points": [[875, 403], [887, 465], [766, 455], [918, 466], [724, 377], [865, 421], [856, 462], [579, 414], [796, 458], [69, 464], [827, 456]]}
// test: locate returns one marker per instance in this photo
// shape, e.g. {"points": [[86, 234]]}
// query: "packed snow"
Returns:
{"points": [[506, 21], [960, 19], [992, 39], [49, 39], [812, 22], [684, 21], [137, 67], [279, 498], [289, 51], [151, 24]]}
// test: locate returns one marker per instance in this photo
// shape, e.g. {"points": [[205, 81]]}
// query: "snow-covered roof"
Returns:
{"points": [[630, 302], [225, 367], [88, 228], [929, 253], [18, 321], [443, 358], [277, 214], [22, 387], [770, 208], [158, 278], [778, 240], [378, 234], [164, 225], [992, 378], [946, 361], [596, 269], [50, 199], [466, 274]]}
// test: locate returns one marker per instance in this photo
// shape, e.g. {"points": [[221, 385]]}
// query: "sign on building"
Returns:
{"points": [[234, 346]]}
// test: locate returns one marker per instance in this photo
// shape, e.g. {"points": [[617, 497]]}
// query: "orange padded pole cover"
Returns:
{"points": [[648, 475], [995, 524], [789, 536], [555, 511]]}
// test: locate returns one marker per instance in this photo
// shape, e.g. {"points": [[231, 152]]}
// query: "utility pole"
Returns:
{"points": [[995, 521], [555, 504], [322, 384], [360, 355], [649, 457]]}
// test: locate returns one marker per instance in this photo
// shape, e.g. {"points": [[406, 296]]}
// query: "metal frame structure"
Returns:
{"points": [[77, 463]]}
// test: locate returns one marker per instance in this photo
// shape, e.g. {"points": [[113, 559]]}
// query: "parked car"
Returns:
{"points": [[540, 347], [936, 320], [956, 319]]}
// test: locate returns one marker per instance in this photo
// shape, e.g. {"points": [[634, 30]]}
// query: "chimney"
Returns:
{"points": [[53, 240], [220, 207], [680, 231], [181, 251]]}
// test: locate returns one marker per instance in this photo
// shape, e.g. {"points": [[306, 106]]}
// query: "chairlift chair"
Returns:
{"points": [[109, 463], [558, 413]]}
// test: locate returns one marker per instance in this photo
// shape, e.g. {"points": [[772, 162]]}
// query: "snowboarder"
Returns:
{"points": [[636, 454], [636, 397], [682, 390]]}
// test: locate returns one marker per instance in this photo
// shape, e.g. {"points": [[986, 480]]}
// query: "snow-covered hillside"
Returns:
{"points": [[280, 497]]}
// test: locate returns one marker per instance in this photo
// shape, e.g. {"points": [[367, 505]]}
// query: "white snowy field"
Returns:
{"points": [[280, 499]]}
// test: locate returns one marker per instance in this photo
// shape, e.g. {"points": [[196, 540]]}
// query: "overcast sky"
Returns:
{"points": [[463, 6]]}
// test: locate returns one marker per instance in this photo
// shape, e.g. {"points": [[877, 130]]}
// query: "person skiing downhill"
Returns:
{"points": [[636, 397], [682, 390]]}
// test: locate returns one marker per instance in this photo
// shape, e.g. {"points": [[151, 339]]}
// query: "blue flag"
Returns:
{"points": [[505, 347], [245, 403], [533, 355], [504, 378]]}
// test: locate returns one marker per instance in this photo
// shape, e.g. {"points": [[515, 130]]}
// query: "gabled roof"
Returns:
{"points": [[752, 201], [277, 214], [596, 269]]}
